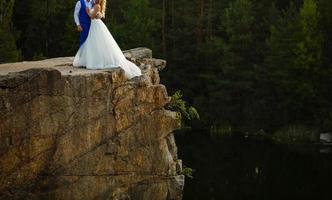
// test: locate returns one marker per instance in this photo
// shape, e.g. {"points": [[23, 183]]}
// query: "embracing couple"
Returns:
{"points": [[98, 49]]}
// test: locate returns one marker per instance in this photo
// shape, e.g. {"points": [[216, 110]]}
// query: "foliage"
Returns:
{"points": [[187, 172], [135, 23], [246, 65], [295, 134], [8, 50], [184, 113]]}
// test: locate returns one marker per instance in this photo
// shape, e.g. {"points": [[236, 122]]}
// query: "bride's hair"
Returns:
{"points": [[103, 7]]}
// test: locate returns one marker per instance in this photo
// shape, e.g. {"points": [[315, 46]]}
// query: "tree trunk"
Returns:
{"points": [[163, 29], [209, 23], [200, 21], [47, 30], [172, 23]]}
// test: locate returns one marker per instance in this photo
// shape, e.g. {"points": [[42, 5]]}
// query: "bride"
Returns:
{"points": [[100, 51]]}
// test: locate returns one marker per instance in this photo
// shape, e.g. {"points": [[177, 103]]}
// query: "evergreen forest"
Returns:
{"points": [[246, 65]]}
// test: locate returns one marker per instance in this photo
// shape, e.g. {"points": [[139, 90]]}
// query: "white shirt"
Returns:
{"points": [[78, 8]]}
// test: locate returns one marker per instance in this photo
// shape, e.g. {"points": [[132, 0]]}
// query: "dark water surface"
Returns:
{"points": [[238, 168]]}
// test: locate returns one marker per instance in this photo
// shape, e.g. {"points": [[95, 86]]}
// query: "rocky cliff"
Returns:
{"points": [[69, 133]]}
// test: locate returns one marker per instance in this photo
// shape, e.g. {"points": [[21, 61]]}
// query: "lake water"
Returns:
{"points": [[238, 168]]}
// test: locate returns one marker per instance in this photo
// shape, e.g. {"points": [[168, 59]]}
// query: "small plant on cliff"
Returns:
{"points": [[187, 172], [183, 112]]}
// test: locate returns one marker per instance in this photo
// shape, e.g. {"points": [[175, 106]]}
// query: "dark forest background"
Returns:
{"points": [[246, 65]]}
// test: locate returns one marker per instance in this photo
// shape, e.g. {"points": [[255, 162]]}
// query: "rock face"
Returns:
{"points": [[69, 133]]}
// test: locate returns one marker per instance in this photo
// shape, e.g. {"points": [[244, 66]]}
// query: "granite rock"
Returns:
{"points": [[70, 133]]}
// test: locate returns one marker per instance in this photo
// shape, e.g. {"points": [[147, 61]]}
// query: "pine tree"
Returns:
{"points": [[280, 72], [326, 10], [238, 22], [308, 58], [134, 25], [294, 59], [8, 50], [283, 40], [325, 77], [44, 27], [230, 86], [309, 49]]}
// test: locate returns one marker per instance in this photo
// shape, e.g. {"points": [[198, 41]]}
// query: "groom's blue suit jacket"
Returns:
{"points": [[85, 22]]}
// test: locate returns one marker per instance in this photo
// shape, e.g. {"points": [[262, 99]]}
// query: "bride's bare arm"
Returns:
{"points": [[96, 9]]}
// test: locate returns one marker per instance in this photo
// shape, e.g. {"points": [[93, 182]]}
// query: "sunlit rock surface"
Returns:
{"points": [[70, 133]]}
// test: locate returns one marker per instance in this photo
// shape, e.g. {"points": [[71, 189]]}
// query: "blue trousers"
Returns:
{"points": [[84, 34]]}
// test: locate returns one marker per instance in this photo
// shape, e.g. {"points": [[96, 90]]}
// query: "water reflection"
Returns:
{"points": [[246, 168]]}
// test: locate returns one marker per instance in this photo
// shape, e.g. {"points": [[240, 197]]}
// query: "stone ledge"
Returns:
{"points": [[64, 64], [65, 132]]}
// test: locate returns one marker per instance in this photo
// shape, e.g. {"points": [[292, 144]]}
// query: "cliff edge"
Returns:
{"points": [[69, 133]]}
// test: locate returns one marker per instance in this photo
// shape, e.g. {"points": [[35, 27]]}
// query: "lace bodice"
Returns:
{"points": [[98, 15]]}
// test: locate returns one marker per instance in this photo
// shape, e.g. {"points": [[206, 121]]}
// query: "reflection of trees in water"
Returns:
{"points": [[238, 168]]}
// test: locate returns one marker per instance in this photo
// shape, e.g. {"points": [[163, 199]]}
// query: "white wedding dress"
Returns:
{"points": [[100, 51]]}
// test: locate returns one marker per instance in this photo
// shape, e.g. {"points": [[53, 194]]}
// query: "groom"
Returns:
{"points": [[82, 19]]}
